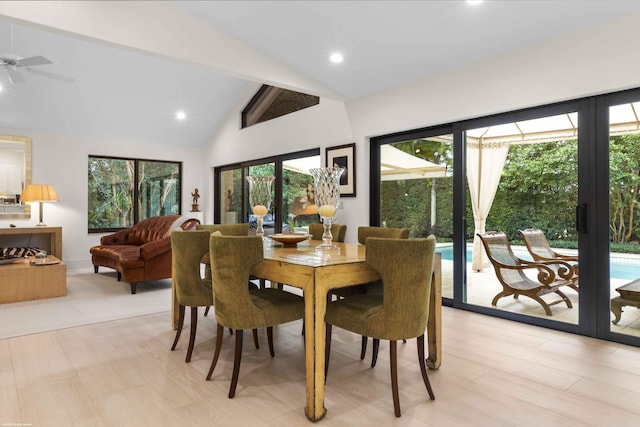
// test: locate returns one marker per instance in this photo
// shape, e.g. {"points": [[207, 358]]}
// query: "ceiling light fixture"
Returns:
{"points": [[474, 2], [336, 58], [181, 115]]}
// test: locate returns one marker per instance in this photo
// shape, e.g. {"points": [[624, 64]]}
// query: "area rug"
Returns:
{"points": [[91, 298]]}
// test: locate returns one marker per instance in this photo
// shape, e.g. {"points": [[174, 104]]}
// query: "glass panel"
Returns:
{"points": [[159, 189], [519, 180], [624, 219], [110, 193], [416, 192], [266, 169], [231, 196], [298, 205]]}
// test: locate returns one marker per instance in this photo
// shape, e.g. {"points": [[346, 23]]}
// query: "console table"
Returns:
{"points": [[22, 281], [46, 238]]}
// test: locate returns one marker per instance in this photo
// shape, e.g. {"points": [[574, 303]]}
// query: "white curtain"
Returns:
{"points": [[484, 168]]}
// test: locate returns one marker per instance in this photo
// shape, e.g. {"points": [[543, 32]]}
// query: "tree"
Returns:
{"points": [[624, 182], [538, 188], [411, 203]]}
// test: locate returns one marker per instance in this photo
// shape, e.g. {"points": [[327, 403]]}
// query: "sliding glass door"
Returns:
{"points": [[559, 181], [416, 192], [292, 207], [620, 289], [521, 198]]}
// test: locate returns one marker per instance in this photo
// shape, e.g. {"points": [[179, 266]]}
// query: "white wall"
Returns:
{"points": [[583, 64], [320, 126], [575, 66], [61, 160]]}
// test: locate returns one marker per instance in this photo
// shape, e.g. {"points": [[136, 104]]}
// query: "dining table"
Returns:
{"points": [[316, 272]]}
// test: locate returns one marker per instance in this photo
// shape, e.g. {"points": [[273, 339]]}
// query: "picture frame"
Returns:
{"points": [[344, 156]]}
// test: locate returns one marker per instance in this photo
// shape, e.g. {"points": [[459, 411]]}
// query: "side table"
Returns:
{"points": [[629, 295], [22, 281]]}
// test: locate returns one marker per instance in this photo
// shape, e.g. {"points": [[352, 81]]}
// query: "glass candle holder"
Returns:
{"points": [[260, 199], [327, 194]]}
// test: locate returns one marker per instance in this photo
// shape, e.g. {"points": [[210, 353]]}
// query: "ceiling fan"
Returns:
{"points": [[14, 65]]}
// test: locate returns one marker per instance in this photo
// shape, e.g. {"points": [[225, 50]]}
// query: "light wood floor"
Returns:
{"points": [[494, 373]]}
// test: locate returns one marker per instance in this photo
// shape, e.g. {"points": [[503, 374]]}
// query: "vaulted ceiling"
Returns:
{"points": [[121, 93]]}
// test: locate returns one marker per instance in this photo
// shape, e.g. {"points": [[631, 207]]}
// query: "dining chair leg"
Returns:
{"points": [[393, 353], [192, 334], [363, 347], [255, 339], [270, 340], [374, 350], [423, 366], [214, 361], [327, 349], [237, 358], [180, 325]]}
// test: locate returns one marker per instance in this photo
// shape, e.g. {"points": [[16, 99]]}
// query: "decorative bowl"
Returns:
{"points": [[289, 239]]}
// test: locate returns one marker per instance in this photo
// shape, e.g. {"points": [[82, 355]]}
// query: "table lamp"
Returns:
{"points": [[39, 193]]}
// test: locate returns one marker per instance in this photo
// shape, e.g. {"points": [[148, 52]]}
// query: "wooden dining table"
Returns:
{"points": [[316, 273]]}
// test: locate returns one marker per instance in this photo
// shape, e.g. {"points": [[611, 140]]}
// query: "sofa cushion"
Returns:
{"points": [[151, 229]]}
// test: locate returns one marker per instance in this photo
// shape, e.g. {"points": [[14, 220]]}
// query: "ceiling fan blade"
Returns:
{"points": [[33, 61], [14, 75], [54, 76]]}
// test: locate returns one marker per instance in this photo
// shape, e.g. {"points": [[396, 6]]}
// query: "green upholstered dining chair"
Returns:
{"points": [[226, 230], [238, 308], [383, 232], [401, 312], [192, 290], [338, 231], [374, 287]]}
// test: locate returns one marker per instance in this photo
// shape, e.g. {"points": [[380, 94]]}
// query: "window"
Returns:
{"points": [[271, 102], [292, 208], [123, 192]]}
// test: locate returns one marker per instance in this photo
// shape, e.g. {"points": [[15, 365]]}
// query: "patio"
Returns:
{"points": [[482, 286]]}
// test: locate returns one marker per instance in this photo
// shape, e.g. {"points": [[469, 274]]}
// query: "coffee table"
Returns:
{"points": [[22, 281], [629, 295]]}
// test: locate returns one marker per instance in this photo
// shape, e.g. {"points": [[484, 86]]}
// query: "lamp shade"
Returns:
{"points": [[39, 193]]}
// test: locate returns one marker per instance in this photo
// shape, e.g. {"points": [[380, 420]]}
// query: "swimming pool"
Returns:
{"points": [[620, 267]]}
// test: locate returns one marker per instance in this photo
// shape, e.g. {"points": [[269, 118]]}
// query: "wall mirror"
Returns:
{"points": [[15, 173]]}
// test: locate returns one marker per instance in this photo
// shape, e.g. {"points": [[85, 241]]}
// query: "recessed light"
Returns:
{"points": [[181, 115], [336, 58], [474, 2]]}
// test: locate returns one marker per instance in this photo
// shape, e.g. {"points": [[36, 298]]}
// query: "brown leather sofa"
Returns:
{"points": [[142, 252]]}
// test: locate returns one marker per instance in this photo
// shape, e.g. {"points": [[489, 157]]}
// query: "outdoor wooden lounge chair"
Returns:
{"points": [[510, 271], [540, 250]]}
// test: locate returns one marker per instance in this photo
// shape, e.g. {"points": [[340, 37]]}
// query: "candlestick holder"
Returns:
{"points": [[327, 194], [260, 199]]}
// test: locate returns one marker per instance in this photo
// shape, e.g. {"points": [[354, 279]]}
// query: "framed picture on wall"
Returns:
{"points": [[344, 157]]}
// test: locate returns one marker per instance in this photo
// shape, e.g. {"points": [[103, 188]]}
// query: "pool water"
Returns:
{"points": [[620, 268]]}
